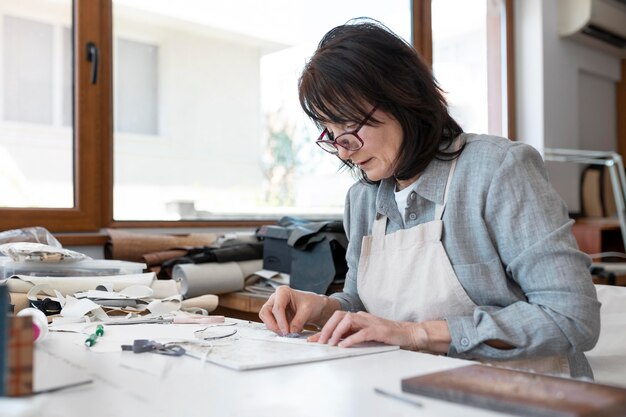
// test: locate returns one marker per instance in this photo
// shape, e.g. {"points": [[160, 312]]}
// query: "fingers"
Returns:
{"points": [[330, 326], [288, 310], [279, 308], [356, 328], [273, 313], [314, 338], [265, 314], [298, 321], [361, 336], [348, 325]]}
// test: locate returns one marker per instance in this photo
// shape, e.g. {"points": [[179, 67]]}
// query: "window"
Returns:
{"points": [[232, 141], [52, 129], [470, 62], [36, 143], [136, 87], [205, 122]]}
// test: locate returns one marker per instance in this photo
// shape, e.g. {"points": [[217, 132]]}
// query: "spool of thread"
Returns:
{"points": [[40, 322]]}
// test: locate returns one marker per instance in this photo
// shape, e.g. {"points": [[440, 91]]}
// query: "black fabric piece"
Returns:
{"points": [[236, 253], [48, 306], [310, 233]]}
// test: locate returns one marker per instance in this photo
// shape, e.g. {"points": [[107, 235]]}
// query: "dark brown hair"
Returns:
{"points": [[363, 63]]}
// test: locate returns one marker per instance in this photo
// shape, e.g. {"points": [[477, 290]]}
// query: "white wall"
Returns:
{"points": [[565, 92]]}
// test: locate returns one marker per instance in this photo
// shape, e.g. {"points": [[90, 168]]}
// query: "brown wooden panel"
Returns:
{"points": [[82, 239], [595, 235], [191, 223], [241, 305], [422, 29], [621, 112], [243, 301], [510, 70], [520, 393], [105, 149]]}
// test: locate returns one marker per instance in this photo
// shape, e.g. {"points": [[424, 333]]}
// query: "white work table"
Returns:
{"points": [[189, 387], [149, 384]]}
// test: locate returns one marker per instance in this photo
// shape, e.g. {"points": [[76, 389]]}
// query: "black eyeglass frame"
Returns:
{"points": [[330, 145]]}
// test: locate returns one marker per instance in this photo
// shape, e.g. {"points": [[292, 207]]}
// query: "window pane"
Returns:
{"points": [[36, 141], [469, 61], [136, 87], [213, 128], [27, 83]]}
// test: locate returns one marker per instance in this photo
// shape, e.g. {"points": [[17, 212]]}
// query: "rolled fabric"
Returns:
{"points": [[157, 258], [214, 278], [164, 288], [132, 246], [206, 302], [19, 300], [71, 285]]}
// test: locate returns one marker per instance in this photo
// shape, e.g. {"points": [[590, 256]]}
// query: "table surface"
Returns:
{"points": [[155, 385]]}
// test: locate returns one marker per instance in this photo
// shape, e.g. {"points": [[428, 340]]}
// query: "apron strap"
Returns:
{"points": [[380, 226], [380, 222], [441, 207]]}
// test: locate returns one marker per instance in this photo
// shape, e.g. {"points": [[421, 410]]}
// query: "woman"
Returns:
{"points": [[458, 244]]}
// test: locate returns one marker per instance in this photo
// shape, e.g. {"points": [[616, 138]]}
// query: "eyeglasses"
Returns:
{"points": [[348, 140]]}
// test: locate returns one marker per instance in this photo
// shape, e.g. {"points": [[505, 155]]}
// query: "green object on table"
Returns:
{"points": [[91, 340]]}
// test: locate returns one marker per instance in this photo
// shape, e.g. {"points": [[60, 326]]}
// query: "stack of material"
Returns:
{"points": [[62, 282], [206, 264], [131, 246], [202, 263], [265, 282]]}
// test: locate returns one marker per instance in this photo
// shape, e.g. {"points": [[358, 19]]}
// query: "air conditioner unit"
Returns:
{"points": [[597, 23]]}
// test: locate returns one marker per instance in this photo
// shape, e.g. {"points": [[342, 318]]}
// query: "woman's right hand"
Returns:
{"points": [[288, 310]]}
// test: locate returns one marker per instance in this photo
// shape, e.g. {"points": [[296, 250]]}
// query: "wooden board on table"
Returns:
{"points": [[520, 393]]}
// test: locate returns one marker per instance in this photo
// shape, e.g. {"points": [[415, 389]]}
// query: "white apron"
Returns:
{"points": [[407, 276]]}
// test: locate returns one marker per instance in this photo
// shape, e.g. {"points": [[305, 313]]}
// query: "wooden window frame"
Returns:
{"points": [[423, 43], [93, 132], [91, 135], [621, 111], [510, 69]]}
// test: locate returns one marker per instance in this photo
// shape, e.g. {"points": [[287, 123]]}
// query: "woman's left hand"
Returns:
{"points": [[359, 327]]}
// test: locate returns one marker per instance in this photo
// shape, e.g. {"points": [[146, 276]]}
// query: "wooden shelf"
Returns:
{"points": [[595, 235], [241, 305]]}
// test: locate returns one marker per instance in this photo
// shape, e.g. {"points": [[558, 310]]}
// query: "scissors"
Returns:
{"points": [[196, 319]]}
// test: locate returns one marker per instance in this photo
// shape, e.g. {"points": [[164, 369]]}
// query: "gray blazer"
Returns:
{"points": [[508, 237]]}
